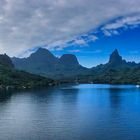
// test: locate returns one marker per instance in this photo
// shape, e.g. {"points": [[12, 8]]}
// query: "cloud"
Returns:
{"points": [[123, 23], [25, 24], [75, 51], [80, 42], [94, 38]]}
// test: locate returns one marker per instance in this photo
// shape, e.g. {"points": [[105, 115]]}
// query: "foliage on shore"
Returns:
{"points": [[15, 79]]}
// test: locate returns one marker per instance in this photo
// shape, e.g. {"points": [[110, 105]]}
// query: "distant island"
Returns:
{"points": [[42, 68], [67, 68]]}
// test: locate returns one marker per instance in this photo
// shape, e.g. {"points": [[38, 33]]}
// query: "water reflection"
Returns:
{"points": [[115, 97], [4, 96], [98, 112]]}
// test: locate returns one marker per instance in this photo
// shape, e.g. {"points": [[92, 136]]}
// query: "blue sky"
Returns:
{"points": [[96, 52]]}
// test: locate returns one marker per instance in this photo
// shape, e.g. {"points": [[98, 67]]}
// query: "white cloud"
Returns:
{"points": [[74, 51], [124, 23], [107, 33], [80, 42], [25, 24], [93, 38]]}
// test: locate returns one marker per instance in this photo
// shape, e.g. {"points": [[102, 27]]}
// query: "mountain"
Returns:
{"points": [[12, 78], [115, 71], [115, 62], [42, 55], [6, 61], [69, 60], [44, 63], [67, 68]]}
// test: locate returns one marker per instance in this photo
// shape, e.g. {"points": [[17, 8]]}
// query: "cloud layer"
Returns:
{"points": [[25, 24]]}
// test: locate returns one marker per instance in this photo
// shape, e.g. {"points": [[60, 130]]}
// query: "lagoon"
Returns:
{"points": [[71, 112]]}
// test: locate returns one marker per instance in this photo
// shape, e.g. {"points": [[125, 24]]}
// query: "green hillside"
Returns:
{"points": [[11, 78], [15, 79]]}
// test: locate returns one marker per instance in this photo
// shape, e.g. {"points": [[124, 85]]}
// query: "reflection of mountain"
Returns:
{"points": [[71, 96], [115, 97], [4, 96]]}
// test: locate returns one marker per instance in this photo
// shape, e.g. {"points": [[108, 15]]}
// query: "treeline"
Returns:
{"points": [[11, 78], [113, 76]]}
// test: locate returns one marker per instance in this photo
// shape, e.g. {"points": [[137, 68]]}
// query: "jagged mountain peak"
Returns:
{"points": [[116, 51], [115, 57], [43, 54], [44, 63], [42, 51]]}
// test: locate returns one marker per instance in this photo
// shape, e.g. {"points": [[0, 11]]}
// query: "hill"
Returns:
{"points": [[116, 71], [12, 78], [67, 68], [44, 63]]}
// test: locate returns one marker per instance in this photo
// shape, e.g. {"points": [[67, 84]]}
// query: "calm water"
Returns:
{"points": [[82, 112]]}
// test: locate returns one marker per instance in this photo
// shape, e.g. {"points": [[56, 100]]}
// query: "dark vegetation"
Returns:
{"points": [[116, 71], [65, 69], [10, 78], [113, 76]]}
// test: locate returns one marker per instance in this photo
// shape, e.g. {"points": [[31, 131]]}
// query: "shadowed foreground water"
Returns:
{"points": [[81, 112]]}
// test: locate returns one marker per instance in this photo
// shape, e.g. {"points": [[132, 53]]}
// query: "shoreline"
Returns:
{"points": [[11, 88]]}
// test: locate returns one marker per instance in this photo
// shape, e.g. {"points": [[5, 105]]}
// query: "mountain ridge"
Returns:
{"points": [[44, 63], [65, 69], [116, 62]]}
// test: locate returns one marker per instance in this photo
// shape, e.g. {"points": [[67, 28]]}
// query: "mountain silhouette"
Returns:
{"points": [[6, 61], [43, 55], [44, 63], [65, 69], [69, 60], [115, 58], [115, 62], [15, 79]]}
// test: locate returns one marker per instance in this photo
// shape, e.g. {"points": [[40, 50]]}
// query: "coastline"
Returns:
{"points": [[54, 85]]}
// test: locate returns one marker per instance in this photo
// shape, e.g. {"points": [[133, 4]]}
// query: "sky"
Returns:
{"points": [[90, 29], [98, 52]]}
